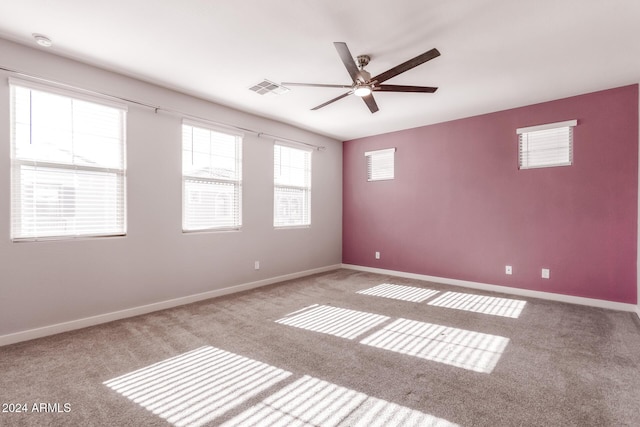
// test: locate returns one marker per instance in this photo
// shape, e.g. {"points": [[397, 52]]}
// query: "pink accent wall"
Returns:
{"points": [[459, 208]]}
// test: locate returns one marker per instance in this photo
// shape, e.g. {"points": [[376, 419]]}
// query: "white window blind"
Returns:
{"points": [[546, 145], [67, 164], [292, 186], [211, 178], [380, 164]]}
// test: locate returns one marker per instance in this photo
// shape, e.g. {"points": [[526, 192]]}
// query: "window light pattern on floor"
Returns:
{"points": [[340, 322], [480, 304], [399, 292], [313, 402], [196, 387], [470, 350]]}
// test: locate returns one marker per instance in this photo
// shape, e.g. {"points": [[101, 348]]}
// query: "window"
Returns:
{"points": [[211, 178], [67, 163], [380, 164], [292, 186], [546, 145]]}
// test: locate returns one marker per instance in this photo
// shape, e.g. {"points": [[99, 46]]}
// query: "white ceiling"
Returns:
{"points": [[496, 54]]}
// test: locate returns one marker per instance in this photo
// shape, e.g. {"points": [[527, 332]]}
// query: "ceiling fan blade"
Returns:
{"points": [[401, 88], [315, 85], [347, 60], [371, 103], [406, 66], [332, 100]]}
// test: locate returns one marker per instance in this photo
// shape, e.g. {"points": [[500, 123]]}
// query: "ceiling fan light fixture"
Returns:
{"points": [[362, 90]]}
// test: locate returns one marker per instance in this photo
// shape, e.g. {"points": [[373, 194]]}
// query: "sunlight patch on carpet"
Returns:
{"points": [[313, 402], [494, 306], [196, 387], [340, 322], [399, 292], [470, 350]]}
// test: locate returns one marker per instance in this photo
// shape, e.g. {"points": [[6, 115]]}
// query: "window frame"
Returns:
{"points": [[370, 156], [306, 189], [73, 94], [239, 137], [525, 132]]}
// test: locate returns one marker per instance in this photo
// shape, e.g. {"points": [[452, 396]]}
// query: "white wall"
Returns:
{"points": [[46, 283]]}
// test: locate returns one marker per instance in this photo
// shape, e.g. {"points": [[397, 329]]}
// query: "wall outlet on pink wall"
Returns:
{"points": [[545, 273]]}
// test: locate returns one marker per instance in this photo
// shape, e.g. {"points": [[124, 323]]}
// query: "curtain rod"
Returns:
{"points": [[156, 108]]}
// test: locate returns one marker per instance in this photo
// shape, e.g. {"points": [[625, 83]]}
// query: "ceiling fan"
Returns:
{"points": [[364, 85]]}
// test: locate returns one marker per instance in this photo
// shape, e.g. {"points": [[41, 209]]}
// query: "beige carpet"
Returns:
{"points": [[340, 348]]}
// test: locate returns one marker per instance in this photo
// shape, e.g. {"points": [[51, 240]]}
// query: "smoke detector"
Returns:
{"points": [[43, 41]]}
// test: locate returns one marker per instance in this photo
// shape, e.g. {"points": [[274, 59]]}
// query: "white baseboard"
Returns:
{"points": [[638, 309], [144, 309], [503, 289]]}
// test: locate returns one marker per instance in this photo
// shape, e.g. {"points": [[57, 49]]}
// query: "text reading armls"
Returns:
{"points": [[36, 407]]}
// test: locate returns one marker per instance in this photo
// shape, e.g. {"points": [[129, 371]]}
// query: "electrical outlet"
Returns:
{"points": [[545, 273], [508, 269], [377, 255], [256, 265]]}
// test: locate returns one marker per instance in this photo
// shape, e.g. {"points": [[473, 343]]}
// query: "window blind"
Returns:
{"points": [[67, 164], [546, 145], [380, 164], [211, 177], [292, 186]]}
